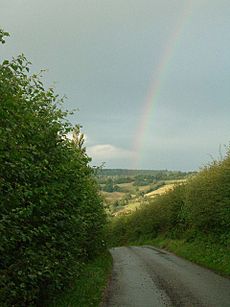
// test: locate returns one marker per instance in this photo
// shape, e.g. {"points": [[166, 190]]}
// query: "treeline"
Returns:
{"points": [[51, 215], [196, 210], [111, 183], [157, 174]]}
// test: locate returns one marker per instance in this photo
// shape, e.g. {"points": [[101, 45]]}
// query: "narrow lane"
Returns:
{"points": [[149, 277]]}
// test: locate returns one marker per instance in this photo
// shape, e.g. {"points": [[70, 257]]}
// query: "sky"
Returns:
{"points": [[149, 79]]}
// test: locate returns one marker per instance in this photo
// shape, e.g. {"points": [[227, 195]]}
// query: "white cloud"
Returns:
{"points": [[108, 151]]}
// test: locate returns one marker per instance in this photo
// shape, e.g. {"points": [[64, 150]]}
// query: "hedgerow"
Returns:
{"points": [[51, 215], [198, 209]]}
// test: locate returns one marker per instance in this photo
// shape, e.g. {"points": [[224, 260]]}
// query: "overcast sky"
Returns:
{"points": [[106, 55]]}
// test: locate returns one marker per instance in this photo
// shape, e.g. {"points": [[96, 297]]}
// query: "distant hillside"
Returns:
{"points": [[157, 174]]}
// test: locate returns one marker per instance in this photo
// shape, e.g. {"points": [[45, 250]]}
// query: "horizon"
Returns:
{"points": [[149, 169]]}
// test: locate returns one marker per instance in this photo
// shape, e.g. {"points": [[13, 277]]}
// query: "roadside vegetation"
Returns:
{"points": [[52, 217], [192, 220], [89, 288]]}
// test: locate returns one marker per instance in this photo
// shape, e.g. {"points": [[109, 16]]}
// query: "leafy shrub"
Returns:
{"points": [[207, 208], [51, 216]]}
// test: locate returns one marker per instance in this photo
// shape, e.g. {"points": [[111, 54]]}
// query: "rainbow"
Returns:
{"points": [[157, 83]]}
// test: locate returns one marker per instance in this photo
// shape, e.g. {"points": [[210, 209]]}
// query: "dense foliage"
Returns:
{"points": [[89, 290], [199, 209], [51, 216]]}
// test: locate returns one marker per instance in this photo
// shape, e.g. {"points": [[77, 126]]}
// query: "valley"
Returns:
{"points": [[124, 191]]}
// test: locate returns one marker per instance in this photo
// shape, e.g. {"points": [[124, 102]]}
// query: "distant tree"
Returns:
{"points": [[109, 186]]}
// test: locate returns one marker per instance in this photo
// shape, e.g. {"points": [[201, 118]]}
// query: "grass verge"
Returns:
{"points": [[89, 287], [208, 254]]}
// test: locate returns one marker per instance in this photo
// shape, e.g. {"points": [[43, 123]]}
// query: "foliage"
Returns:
{"points": [[51, 216], [3, 34], [199, 208], [84, 293], [110, 186], [119, 180], [142, 180], [155, 186]]}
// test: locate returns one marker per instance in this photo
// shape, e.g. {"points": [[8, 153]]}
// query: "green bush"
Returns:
{"points": [[51, 216], [207, 200]]}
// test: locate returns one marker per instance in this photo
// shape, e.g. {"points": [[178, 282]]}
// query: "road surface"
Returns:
{"points": [[148, 277]]}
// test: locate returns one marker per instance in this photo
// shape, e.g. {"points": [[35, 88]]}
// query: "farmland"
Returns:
{"points": [[125, 191]]}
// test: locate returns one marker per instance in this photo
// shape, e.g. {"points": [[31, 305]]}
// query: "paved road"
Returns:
{"points": [[148, 277]]}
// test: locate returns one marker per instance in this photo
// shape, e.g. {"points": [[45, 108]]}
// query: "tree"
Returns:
{"points": [[109, 186]]}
